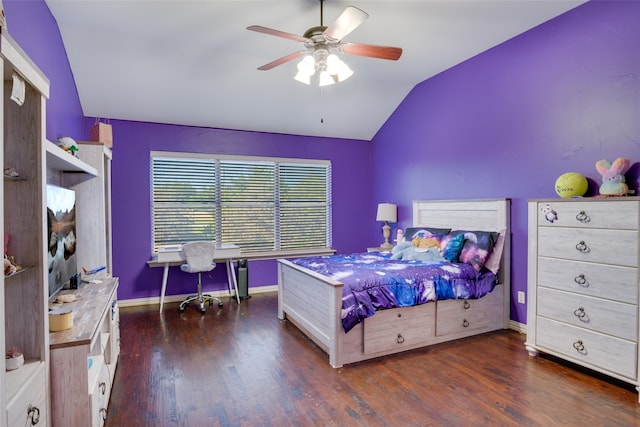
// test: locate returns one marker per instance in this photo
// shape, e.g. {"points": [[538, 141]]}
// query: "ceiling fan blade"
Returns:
{"points": [[282, 60], [348, 21], [272, 32], [381, 52]]}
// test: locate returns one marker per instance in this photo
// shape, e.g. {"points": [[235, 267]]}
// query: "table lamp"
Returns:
{"points": [[387, 212]]}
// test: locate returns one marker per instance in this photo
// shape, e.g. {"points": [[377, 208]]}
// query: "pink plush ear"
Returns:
{"points": [[603, 166], [620, 165]]}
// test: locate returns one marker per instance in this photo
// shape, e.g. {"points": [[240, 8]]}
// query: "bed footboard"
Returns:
{"points": [[311, 302]]}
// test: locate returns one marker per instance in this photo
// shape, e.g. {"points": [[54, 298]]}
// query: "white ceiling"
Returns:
{"points": [[194, 63]]}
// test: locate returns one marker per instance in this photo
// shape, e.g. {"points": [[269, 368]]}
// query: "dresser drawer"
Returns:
{"points": [[99, 391], [618, 247], [596, 280], [609, 317], [29, 406], [406, 327], [587, 347], [454, 316], [616, 214]]}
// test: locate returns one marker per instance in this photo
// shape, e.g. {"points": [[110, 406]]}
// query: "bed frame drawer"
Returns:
{"points": [[460, 315], [399, 328]]}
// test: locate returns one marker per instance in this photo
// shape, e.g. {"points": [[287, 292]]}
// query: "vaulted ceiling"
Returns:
{"points": [[195, 63]]}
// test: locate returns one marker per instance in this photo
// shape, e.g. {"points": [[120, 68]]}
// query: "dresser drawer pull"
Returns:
{"points": [[579, 346], [33, 412], [103, 413], [103, 387], [400, 339], [466, 305], [580, 314], [581, 281], [582, 247], [583, 217], [465, 323]]}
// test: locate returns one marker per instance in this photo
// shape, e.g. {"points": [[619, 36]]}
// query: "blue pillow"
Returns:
{"points": [[451, 246]]}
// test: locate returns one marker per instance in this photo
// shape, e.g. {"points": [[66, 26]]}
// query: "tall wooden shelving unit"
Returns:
{"points": [[24, 393]]}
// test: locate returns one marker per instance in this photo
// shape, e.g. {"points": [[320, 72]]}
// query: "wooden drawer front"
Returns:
{"points": [[618, 247], [620, 214], [30, 404], [609, 317], [597, 280], [406, 327], [587, 347], [453, 316], [99, 396]]}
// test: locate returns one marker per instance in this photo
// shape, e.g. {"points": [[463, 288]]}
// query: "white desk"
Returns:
{"points": [[173, 255]]}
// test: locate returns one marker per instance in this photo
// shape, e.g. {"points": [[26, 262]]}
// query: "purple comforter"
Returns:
{"points": [[373, 281]]}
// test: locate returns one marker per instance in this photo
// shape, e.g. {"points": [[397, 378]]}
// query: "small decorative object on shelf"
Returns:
{"points": [[14, 358], [68, 144]]}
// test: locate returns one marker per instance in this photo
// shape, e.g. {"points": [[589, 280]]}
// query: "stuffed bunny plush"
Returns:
{"points": [[613, 183]]}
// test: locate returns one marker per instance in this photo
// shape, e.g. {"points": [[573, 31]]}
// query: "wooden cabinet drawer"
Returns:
{"points": [[454, 316], [617, 247], [609, 317], [596, 280], [406, 327], [615, 214], [30, 403], [586, 347], [99, 391]]}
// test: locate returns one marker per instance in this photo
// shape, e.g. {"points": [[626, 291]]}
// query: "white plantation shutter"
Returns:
{"points": [[262, 205]]}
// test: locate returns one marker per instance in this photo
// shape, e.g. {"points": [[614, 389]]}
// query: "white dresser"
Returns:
{"points": [[583, 283]]}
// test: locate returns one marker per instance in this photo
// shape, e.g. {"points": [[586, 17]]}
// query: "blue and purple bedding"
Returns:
{"points": [[374, 281]]}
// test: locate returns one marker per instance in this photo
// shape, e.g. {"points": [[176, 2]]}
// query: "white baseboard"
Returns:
{"points": [[179, 298], [517, 326]]}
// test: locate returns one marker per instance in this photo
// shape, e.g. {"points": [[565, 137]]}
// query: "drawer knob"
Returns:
{"points": [[582, 247], [581, 281], [33, 412], [583, 217], [400, 339], [581, 314], [579, 346], [103, 387], [466, 305], [465, 323], [103, 413]]}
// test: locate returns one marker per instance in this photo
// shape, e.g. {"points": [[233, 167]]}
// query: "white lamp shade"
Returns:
{"points": [[387, 212]]}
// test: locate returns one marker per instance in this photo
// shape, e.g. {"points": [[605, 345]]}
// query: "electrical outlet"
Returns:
{"points": [[520, 297]]}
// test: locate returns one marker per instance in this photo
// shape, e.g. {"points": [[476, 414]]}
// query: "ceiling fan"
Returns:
{"points": [[322, 42]]}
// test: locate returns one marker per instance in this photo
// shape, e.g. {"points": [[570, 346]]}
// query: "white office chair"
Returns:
{"points": [[199, 257]]}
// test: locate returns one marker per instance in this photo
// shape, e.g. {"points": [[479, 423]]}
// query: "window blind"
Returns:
{"points": [[261, 205]]}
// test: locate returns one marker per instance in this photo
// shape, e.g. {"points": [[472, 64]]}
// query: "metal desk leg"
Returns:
{"points": [[164, 284], [231, 278]]}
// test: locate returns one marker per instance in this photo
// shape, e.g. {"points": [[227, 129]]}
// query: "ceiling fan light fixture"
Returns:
{"points": [[326, 79], [303, 78], [307, 66]]}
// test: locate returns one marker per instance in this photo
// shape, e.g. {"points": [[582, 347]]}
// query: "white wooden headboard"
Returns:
{"points": [[477, 214]]}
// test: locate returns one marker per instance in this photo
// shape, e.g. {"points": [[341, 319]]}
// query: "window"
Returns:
{"points": [[265, 206]]}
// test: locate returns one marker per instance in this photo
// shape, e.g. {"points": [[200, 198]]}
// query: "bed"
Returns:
{"points": [[313, 302]]}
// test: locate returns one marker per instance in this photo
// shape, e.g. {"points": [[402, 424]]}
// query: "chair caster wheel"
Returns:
{"points": [[220, 304]]}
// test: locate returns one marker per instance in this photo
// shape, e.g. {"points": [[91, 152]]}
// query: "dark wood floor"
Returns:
{"points": [[241, 366]]}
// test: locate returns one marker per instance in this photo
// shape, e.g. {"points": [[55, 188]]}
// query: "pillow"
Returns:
{"points": [[412, 232], [477, 247], [493, 262], [451, 246]]}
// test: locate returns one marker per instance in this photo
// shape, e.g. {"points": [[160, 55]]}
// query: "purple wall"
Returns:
{"points": [[32, 26], [508, 122], [133, 142]]}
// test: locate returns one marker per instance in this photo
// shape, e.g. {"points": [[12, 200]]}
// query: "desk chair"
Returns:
{"points": [[199, 257]]}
